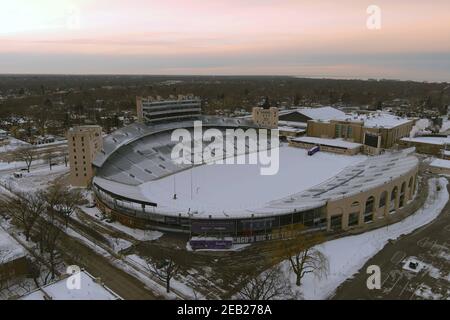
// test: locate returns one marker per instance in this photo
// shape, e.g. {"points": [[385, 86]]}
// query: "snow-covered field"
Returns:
{"points": [[231, 188], [346, 256]]}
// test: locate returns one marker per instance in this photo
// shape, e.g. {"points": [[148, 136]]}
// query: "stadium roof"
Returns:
{"points": [[373, 172]]}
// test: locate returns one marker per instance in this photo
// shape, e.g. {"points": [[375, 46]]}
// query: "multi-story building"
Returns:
{"points": [[376, 131], [83, 143], [265, 116], [156, 109]]}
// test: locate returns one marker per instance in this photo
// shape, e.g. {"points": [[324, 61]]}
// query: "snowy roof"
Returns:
{"points": [[10, 249], [120, 189], [291, 129], [372, 120], [321, 113], [429, 140], [328, 142], [440, 163], [382, 120], [89, 290], [373, 172]]}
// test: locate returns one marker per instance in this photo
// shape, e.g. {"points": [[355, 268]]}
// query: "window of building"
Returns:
{"points": [[383, 199], [393, 199], [369, 205], [353, 219], [336, 222], [368, 212]]}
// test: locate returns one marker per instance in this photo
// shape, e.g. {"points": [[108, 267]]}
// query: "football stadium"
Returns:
{"points": [[138, 183]]}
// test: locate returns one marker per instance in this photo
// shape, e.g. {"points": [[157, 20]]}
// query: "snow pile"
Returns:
{"points": [[349, 254]]}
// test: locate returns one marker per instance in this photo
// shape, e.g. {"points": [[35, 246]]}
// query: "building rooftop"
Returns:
{"points": [[430, 140], [90, 289], [382, 120], [440, 163], [10, 249], [320, 113], [328, 142]]}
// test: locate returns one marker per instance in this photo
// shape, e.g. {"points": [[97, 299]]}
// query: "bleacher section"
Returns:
{"points": [[139, 153]]}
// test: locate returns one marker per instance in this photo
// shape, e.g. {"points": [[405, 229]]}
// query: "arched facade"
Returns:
{"points": [[365, 207]]}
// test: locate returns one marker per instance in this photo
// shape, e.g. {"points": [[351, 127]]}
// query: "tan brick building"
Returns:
{"points": [[376, 131], [83, 143], [266, 118]]}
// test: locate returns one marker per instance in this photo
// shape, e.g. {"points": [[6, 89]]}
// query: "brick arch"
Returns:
{"points": [[369, 208], [393, 196], [411, 187]]}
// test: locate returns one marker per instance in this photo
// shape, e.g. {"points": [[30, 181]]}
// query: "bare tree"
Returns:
{"points": [[309, 260], [25, 208], [51, 232], [26, 154], [302, 254], [62, 201], [49, 156], [269, 285], [164, 269], [4, 281]]}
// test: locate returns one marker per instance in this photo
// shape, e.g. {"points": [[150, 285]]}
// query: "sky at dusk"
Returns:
{"points": [[256, 37]]}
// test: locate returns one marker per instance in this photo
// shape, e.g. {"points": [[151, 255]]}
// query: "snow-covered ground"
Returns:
{"points": [[177, 284], [349, 254], [13, 144], [36, 179], [138, 234], [220, 188]]}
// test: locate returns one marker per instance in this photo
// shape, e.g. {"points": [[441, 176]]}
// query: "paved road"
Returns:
{"points": [[430, 244], [119, 281]]}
